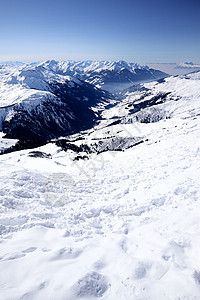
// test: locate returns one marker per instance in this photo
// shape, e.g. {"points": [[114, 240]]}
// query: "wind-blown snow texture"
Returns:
{"points": [[113, 225]]}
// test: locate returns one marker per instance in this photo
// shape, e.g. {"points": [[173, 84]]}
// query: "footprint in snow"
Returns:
{"points": [[34, 294], [175, 252], [140, 272], [98, 265], [196, 276], [154, 270], [91, 285], [158, 201], [13, 256], [67, 253], [23, 194], [28, 250]]}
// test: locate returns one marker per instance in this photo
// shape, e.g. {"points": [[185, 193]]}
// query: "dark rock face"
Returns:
{"points": [[23, 144], [39, 154], [99, 146], [65, 145], [155, 100]]}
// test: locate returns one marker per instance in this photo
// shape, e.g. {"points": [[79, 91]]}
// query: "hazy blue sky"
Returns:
{"points": [[139, 31]]}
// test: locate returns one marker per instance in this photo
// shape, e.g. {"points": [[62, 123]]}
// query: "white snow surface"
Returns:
{"points": [[120, 225]]}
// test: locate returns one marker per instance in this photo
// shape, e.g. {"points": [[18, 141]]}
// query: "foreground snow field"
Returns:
{"points": [[119, 225]]}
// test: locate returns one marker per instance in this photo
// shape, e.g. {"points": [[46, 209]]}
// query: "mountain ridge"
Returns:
{"points": [[100, 73]]}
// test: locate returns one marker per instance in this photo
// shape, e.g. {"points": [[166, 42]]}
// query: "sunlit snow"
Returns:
{"points": [[118, 225]]}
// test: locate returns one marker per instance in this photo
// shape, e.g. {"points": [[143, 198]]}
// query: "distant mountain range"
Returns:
{"points": [[188, 65], [102, 73]]}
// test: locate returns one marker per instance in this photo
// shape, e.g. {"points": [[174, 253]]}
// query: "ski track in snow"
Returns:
{"points": [[122, 225]]}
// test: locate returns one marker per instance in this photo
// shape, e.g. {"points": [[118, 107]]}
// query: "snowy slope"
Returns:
{"points": [[118, 225]]}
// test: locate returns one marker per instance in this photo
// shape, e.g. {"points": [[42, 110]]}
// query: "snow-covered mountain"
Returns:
{"points": [[75, 68], [56, 98], [103, 73], [188, 65], [112, 212], [37, 103]]}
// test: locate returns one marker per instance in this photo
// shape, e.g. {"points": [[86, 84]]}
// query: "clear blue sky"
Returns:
{"points": [[138, 31]]}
